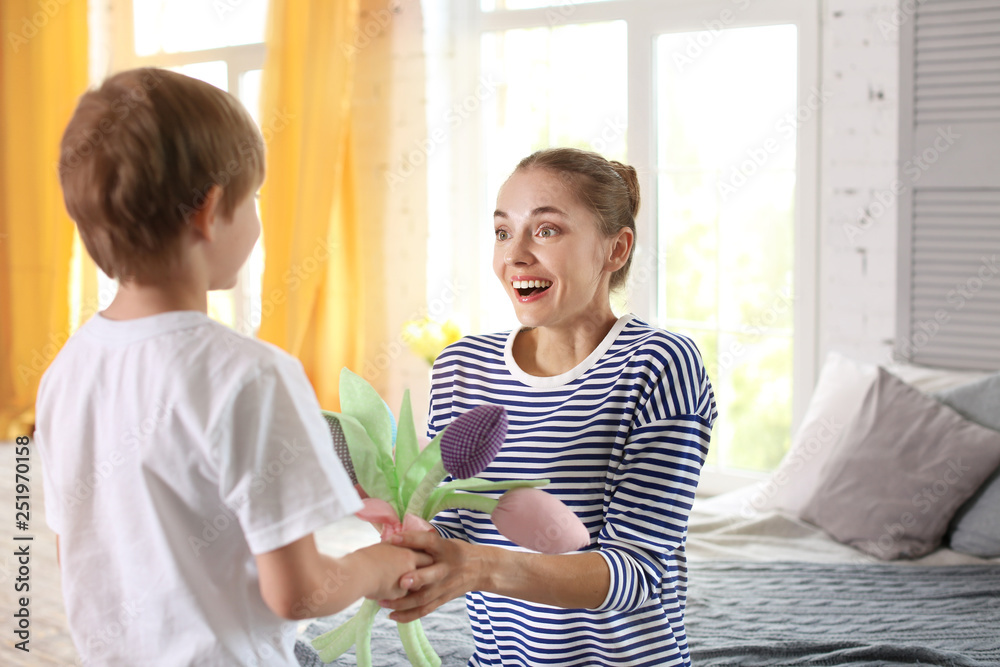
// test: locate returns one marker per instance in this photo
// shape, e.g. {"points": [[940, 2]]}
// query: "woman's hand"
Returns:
{"points": [[458, 568], [571, 581]]}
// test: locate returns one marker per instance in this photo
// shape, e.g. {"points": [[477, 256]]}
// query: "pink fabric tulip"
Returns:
{"points": [[381, 512], [537, 520]]}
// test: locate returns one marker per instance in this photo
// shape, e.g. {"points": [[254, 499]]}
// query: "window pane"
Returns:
{"points": [[215, 72], [543, 95], [250, 92], [253, 272], [193, 25], [726, 145]]}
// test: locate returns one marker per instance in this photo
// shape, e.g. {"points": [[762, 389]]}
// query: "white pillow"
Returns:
{"points": [[837, 398]]}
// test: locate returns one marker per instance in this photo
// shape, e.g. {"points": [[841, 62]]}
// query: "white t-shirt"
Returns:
{"points": [[174, 450]]}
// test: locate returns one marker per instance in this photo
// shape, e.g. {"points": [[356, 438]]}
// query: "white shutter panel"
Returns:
{"points": [[949, 205]]}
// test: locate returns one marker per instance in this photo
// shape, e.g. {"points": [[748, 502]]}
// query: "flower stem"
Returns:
{"points": [[424, 489], [468, 501], [415, 643]]}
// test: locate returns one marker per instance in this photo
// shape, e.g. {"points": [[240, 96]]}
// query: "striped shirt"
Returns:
{"points": [[623, 437]]}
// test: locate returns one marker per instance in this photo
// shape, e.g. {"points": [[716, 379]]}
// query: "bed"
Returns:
{"points": [[770, 587]]}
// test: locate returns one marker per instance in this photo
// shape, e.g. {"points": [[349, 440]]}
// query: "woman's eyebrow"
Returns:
{"points": [[548, 209], [538, 211]]}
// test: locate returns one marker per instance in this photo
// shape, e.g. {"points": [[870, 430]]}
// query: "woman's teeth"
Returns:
{"points": [[527, 287], [525, 284]]}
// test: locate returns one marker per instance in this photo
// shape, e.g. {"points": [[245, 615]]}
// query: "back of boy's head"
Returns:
{"points": [[138, 158]]}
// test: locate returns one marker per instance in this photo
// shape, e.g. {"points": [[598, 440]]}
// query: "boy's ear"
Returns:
{"points": [[203, 219]]}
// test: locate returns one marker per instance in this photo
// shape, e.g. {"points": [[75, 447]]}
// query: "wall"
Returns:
{"points": [[858, 157], [389, 92]]}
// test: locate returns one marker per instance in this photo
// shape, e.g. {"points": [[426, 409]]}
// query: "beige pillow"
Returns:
{"points": [[905, 465]]}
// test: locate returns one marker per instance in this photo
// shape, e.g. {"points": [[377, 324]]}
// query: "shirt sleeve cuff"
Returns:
{"points": [[299, 525], [624, 589]]}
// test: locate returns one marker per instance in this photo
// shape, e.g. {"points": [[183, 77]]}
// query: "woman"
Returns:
{"points": [[616, 413]]}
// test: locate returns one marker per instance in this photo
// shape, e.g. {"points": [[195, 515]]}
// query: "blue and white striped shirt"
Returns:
{"points": [[623, 437]]}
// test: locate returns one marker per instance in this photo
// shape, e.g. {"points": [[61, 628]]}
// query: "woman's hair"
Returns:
{"points": [[140, 155], [609, 188]]}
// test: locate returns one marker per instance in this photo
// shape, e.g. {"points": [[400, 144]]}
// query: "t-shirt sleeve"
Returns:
{"points": [[277, 468], [51, 492], [653, 487], [41, 446]]}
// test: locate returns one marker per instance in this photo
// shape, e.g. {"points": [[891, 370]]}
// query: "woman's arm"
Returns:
{"points": [[572, 581]]}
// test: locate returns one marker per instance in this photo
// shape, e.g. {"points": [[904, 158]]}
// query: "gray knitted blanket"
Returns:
{"points": [[783, 614], [752, 614]]}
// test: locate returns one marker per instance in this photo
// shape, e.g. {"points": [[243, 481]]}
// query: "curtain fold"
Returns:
{"points": [[315, 300], [43, 70]]}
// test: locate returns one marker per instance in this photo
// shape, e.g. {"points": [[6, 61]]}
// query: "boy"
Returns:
{"points": [[186, 467]]}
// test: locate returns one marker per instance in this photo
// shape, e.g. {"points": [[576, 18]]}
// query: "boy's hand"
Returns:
{"points": [[390, 564], [458, 567]]}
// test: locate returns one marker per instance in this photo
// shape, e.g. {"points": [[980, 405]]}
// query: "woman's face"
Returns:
{"points": [[549, 253]]}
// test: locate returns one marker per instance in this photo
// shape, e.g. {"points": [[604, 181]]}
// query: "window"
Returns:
{"points": [[715, 104], [220, 43]]}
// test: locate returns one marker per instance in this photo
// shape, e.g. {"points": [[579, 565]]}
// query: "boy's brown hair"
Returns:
{"points": [[138, 158]]}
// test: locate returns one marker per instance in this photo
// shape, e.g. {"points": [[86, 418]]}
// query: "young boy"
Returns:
{"points": [[186, 467]]}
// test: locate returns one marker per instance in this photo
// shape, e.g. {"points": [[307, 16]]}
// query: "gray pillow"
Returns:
{"points": [[905, 465], [975, 529]]}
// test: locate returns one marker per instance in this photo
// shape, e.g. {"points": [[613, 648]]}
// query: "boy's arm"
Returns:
{"points": [[297, 581]]}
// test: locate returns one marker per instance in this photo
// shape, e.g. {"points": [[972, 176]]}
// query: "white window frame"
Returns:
{"points": [[239, 59], [457, 174]]}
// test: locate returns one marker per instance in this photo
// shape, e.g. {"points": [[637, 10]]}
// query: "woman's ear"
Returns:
{"points": [[620, 249], [202, 220]]}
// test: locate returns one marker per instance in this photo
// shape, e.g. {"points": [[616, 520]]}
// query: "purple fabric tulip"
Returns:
{"points": [[340, 446], [470, 442]]}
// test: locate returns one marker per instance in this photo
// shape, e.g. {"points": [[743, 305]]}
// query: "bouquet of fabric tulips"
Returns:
{"points": [[402, 490]]}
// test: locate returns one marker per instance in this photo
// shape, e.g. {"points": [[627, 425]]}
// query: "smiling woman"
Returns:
{"points": [[616, 413], [557, 255]]}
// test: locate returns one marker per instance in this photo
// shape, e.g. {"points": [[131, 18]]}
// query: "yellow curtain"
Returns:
{"points": [[43, 70], [322, 274]]}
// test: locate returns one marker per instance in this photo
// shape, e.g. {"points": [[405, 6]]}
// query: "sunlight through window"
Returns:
{"points": [[727, 157]]}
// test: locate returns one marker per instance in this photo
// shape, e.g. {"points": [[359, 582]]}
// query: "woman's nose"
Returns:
{"points": [[517, 251]]}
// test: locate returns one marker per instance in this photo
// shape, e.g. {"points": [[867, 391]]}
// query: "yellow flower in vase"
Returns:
{"points": [[426, 338]]}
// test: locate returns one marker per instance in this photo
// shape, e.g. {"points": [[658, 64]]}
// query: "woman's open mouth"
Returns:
{"points": [[526, 288]]}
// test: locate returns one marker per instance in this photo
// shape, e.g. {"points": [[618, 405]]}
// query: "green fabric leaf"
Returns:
{"points": [[373, 465], [360, 400], [427, 460], [407, 449]]}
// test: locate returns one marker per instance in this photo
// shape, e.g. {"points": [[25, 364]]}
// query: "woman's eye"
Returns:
{"points": [[546, 232], [502, 235]]}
